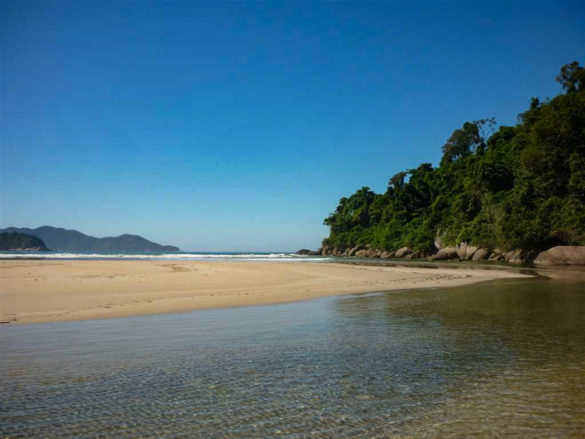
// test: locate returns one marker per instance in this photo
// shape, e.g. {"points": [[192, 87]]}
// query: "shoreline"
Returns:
{"points": [[40, 291]]}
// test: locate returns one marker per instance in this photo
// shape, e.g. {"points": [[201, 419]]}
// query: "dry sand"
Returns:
{"points": [[48, 291]]}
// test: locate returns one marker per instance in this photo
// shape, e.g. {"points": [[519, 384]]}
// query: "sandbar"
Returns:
{"points": [[34, 291]]}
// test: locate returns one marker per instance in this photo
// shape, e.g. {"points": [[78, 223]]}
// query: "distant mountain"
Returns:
{"points": [[73, 241], [21, 241]]}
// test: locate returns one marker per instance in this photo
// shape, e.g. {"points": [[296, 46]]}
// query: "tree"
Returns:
{"points": [[572, 77]]}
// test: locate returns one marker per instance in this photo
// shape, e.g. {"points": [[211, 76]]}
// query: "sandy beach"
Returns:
{"points": [[49, 291]]}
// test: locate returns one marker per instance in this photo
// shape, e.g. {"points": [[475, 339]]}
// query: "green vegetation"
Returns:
{"points": [[520, 187], [20, 241]]}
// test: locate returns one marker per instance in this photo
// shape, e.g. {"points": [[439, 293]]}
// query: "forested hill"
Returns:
{"points": [[520, 187], [73, 241], [20, 241]]}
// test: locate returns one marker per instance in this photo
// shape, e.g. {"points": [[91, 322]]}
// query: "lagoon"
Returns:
{"points": [[500, 358]]}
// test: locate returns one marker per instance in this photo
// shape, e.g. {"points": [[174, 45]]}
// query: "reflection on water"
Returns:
{"points": [[504, 358]]}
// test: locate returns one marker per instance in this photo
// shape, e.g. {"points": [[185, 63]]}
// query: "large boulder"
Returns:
{"points": [[496, 256], [387, 255], [413, 255], [480, 254], [402, 252], [562, 255], [356, 249], [461, 250], [362, 253], [373, 253], [469, 252], [445, 254], [515, 257]]}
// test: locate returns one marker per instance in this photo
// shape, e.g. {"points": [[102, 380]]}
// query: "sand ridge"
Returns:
{"points": [[55, 290]]}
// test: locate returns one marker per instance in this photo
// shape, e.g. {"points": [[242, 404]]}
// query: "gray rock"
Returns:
{"points": [[387, 255], [562, 255], [514, 257], [373, 253], [306, 252], [461, 250], [496, 256], [356, 249], [469, 252], [480, 254], [445, 254], [402, 252]]}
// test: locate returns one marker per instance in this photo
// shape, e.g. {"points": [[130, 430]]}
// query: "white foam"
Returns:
{"points": [[175, 256]]}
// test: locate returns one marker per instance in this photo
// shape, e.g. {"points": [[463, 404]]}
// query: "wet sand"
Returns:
{"points": [[49, 291]]}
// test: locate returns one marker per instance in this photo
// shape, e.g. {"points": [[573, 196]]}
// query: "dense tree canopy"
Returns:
{"points": [[518, 187]]}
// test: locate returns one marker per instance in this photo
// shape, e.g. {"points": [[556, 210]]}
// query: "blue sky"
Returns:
{"points": [[239, 125]]}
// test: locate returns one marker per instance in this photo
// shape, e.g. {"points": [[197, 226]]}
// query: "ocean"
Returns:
{"points": [[183, 256]]}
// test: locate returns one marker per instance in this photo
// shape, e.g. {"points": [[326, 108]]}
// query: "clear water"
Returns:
{"points": [[499, 359]]}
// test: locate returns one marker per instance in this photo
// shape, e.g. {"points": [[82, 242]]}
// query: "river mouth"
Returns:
{"points": [[500, 358]]}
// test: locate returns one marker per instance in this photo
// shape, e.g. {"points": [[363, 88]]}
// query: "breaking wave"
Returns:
{"points": [[175, 256]]}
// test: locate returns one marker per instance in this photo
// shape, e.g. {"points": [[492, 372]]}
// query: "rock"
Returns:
{"points": [[562, 255], [306, 252], [413, 255], [356, 249], [373, 253], [319, 251], [496, 256], [514, 257], [461, 250], [439, 244], [362, 253], [445, 254], [402, 252], [387, 255], [480, 255], [469, 252]]}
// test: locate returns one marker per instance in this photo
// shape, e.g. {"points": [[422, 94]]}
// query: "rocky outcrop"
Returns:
{"points": [[403, 252], [562, 255], [306, 252]]}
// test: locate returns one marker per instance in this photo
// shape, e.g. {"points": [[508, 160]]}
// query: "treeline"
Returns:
{"points": [[520, 187]]}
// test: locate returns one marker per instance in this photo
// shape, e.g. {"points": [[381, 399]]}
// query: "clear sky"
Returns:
{"points": [[239, 125]]}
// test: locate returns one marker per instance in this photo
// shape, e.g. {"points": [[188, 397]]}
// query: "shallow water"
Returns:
{"points": [[498, 359]]}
